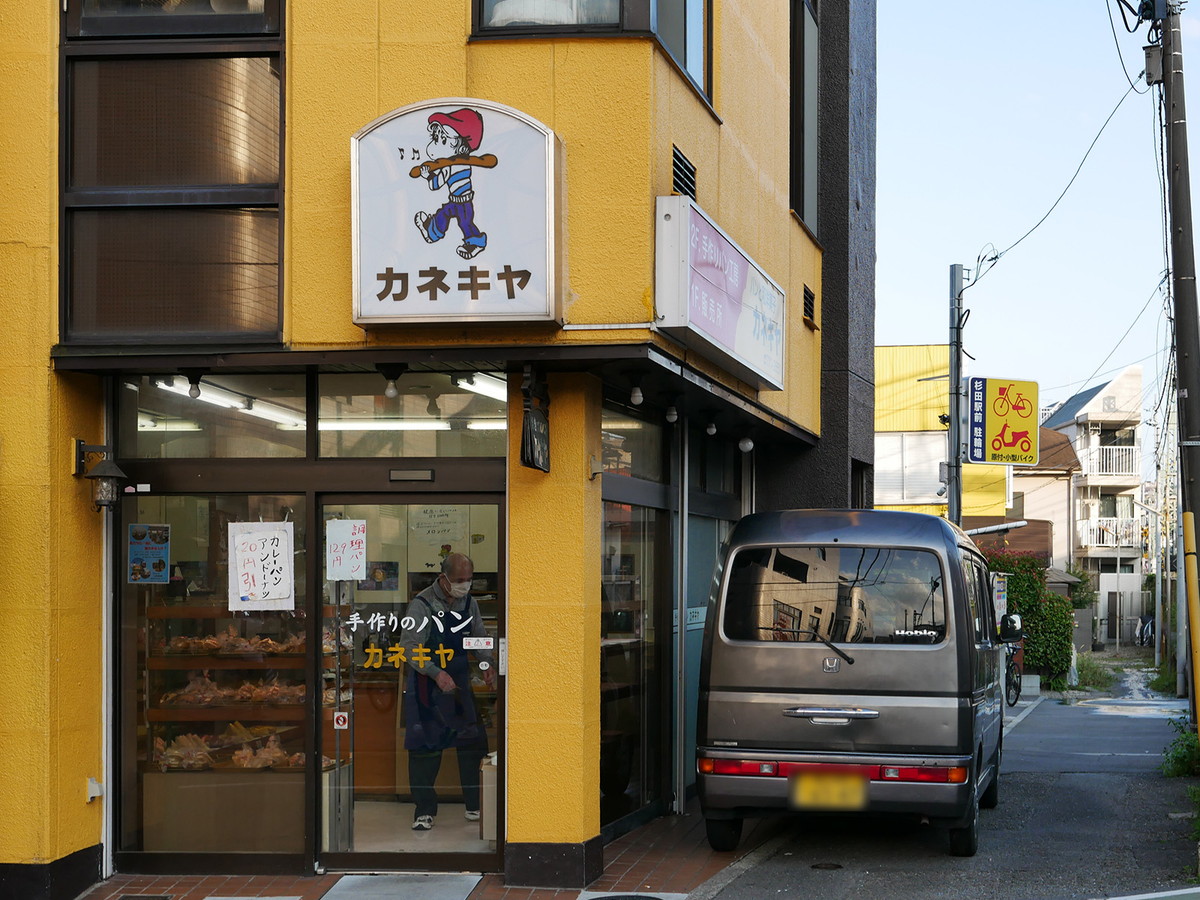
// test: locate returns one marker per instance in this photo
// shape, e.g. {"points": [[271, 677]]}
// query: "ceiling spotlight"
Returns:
{"points": [[635, 396], [672, 415], [746, 445], [711, 429], [193, 376], [391, 373]]}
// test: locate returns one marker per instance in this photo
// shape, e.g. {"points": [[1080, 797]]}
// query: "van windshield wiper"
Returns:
{"points": [[842, 653]]}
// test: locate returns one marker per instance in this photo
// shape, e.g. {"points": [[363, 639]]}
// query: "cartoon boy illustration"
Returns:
{"points": [[453, 137]]}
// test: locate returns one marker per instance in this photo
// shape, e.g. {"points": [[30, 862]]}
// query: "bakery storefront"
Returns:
{"points": [[282, 508], [263, 587]]}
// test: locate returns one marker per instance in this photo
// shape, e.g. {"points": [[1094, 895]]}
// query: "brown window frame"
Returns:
{"points": [[636, 17], [197, 197], [77, 25]]}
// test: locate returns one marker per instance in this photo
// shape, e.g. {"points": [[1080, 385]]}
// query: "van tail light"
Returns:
{"points": [[933, 774], [770, 768]]}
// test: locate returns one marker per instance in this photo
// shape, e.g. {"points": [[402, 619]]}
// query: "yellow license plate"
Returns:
{"points": [[828, 790]]}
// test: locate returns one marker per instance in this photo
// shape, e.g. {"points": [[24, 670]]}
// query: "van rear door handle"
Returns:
{"points": [[831, 715]]}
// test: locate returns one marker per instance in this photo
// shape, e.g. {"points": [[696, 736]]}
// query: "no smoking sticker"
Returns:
{"points": [[341, 721]]}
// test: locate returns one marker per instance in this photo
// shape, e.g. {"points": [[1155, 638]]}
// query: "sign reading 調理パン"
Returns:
{"points": [[454, 216], [712, 296]]}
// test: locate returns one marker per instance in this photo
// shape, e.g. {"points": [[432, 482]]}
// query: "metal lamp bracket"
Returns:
{"points": [[82, 453]]}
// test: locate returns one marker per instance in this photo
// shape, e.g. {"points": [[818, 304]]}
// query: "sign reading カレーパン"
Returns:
{"points": [[454, 216], [711, 295]]}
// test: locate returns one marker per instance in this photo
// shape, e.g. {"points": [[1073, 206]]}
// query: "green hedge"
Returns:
{"points": [[1048, 618]]}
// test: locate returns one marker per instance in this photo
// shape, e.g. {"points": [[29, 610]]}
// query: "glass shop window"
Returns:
{"points": [[418, 414]]}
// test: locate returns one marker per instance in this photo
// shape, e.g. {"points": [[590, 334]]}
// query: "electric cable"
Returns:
{"points": [[1165, 277], [1117, 43], [994, 257], [1078, 169]]}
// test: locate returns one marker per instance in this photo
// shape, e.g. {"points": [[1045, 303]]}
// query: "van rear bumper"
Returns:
{"points": [[728, 796]]}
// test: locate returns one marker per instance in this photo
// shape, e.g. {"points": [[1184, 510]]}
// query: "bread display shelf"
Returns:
{"points": [[293, 712], [189, 612], [176, 661]]}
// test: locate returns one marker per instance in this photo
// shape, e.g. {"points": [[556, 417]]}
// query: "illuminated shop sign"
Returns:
{"points": [[713, 297], [454, 216]]}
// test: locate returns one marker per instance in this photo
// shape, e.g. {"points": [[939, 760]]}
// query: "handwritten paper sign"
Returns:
{"points": [[261, 564], [438, 524], [346, 549]]}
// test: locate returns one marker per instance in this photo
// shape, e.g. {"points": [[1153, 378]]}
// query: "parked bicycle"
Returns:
{"points": [[1012, 676]]}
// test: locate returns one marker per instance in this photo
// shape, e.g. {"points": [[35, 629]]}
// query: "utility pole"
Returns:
{"points": [[954, 465], [1187, 328]]}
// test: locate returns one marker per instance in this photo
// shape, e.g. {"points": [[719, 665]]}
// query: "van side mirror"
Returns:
{"points": [[1010, 629]]}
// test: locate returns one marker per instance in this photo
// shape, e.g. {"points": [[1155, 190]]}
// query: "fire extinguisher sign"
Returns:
{"points": [[1003, 421]]}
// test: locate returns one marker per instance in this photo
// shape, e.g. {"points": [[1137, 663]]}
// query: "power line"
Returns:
{"points": [[1165, 277], [994, 257], [1117, 43]]}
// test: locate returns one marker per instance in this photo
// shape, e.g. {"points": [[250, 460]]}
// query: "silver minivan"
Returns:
{"points": [[852, 663]]}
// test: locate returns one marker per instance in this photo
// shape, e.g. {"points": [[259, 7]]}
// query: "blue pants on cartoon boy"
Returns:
{"points": [[465, 214]]}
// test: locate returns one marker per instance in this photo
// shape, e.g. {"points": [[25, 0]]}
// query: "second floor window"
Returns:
{"points": [[171, 228], [682, 26]]}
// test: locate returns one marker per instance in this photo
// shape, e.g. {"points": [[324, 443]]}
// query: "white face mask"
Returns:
{"points": [[460, 589]]}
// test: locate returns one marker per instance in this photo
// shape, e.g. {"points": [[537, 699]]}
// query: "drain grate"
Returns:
{"points": [[828, 866]]}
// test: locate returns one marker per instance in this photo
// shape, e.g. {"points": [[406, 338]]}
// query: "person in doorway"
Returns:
{"points": [[439, 705]]}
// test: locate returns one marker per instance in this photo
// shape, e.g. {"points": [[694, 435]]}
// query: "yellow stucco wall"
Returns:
{"points": [[553, 688], [906, 402], [617, 105], [50, 602]]}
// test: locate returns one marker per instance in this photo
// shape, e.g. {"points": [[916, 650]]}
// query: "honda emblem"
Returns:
{"points": [[831, 664]]}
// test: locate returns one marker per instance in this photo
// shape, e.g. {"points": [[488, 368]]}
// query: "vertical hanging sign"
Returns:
{"points": [[535, 422], [261, 568], [346, 549]]}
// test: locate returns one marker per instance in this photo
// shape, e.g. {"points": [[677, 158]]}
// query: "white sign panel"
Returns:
{"points": [[439, 524], [454, 215], [346, 549], [714, 297], [261, 573]]}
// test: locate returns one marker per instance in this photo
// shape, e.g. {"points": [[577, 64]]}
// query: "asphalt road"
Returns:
{"points": [[1084, 813]]}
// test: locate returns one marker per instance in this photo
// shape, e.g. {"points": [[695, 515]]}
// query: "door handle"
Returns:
{"points": [[831, 715]]}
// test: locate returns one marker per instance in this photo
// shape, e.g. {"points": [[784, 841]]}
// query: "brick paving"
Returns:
{"points": [[669, 855]]}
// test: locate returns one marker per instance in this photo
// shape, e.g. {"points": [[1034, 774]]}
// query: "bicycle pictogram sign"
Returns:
{"points": [[1002, 428], [1011, 400]]}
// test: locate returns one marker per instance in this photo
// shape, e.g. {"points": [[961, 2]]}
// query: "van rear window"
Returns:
{"points": [[847, 595]]}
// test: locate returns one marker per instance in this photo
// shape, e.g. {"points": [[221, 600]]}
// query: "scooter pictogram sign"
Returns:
{"points": [[1002, 418]]}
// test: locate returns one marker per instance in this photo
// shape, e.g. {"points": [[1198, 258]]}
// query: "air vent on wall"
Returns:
{"points": [[683, 174]]}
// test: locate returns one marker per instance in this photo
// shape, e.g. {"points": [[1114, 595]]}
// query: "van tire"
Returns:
{"points": [[964, 841], [723, 834]]}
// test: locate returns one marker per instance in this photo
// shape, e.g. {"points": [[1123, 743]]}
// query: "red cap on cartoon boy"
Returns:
{"points": [[466, 123]]}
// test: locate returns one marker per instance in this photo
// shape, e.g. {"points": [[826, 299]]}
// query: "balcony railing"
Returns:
{"points": [[1110, 532], [1112, 461]]}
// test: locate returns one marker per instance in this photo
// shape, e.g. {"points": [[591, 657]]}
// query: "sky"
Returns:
{"points": [[985, 112]]}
